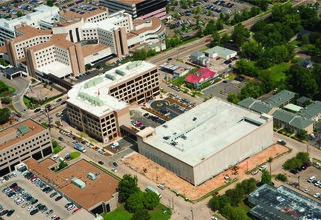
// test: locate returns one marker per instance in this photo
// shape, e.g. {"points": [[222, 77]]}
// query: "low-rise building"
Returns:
{"points": [[200, 59], [99, 106], [175, 70], [82, 183], [282, 203], [202, 76], [22, 141], [222, 52]]}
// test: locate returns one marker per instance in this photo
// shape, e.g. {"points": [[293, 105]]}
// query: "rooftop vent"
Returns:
{"points": [[91, 176], [111, 77], [79, 183], [69, 21], [120, 72]]}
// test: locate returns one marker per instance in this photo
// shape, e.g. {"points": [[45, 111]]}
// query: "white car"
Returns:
{"points": [[306, 190], [30, 208], [2, 180], [316, 195], [114, 170], [263, 167]]}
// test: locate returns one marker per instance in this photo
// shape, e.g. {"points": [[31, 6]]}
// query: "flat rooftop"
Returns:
{"points": [[18, 132], [93, 95], [96, 191], [205, 130], [283, 203], [130, 2], [56, 68]]}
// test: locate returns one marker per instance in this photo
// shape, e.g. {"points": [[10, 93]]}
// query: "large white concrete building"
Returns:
{"points": [[206, 140], [43, 18]]}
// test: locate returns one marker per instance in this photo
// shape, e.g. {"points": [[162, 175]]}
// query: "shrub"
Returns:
{"points": [[282, 177]]}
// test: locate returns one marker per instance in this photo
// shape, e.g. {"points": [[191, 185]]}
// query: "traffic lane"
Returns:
{"points": [[22, 213]]}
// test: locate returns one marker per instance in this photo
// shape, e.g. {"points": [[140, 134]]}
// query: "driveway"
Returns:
{"points": [[20, 84]]}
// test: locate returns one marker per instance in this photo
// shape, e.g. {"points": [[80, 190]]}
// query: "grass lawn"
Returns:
{"points": [[6, 93], [121, 214], [57, 149], [74, 155], [12, 108], [278, 71]]}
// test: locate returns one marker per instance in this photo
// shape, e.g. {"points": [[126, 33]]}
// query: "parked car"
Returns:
{"points": [[282, 142], [10, 212], [115, 164], [53, 194], [58, 198], [33, 212]]}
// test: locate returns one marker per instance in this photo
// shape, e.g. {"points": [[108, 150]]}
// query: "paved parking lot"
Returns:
{"points": [[138, 116], [302, 177], [223, 88], [23, 213]]}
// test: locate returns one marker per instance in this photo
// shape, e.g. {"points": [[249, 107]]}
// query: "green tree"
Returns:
{"points": [[168, 8], [4, 115], [150, 200], [303, 156], [225, 38], [6, 100], [88, 67], [302, 135], [215, 39], [134, 202], [240, 34], [282, 177], [248, 185], [232, 97], [270, 160], [235, 195], [141, 214], [198, 9], [305, 39], [127, 186], [54, 143], [50, 3], [62, 165], [99, 66], [219, 202], [20, 14], [292, 163], [255, 11], [266, 177], [251, 50], [246, 68]]}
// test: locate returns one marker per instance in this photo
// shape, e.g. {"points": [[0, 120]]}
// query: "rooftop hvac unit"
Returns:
{"points": [[91, 176]]}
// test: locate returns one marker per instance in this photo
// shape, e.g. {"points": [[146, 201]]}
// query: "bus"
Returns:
{"points": [[149, 188]]}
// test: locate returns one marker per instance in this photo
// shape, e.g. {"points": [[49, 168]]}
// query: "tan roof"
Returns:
{"points": [[3, 49], [130, 35], [22, 60], [92, 48], [34, 128], [131, 2], [155, 23], [96, 191], [56, 40], [70, 16], [30, 32]]}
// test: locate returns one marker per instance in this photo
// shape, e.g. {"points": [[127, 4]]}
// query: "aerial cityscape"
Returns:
{"points": [[160, 109]]}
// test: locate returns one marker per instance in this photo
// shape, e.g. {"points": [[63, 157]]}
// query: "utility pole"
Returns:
{"points": [[192, 213]]}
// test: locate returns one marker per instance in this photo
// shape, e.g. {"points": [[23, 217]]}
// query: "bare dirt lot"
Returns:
{"points": [[159, 174]]}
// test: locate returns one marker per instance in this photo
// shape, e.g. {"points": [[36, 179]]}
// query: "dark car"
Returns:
{"points": [[6, 178], [13, 185], [4, 212], [146, 115], [294, 171], [37, 110], [45, 189], [53, 194], [34, 201], [101, 162], [10, 212], [58, 198], [115, 164], [33, 212], [59, 100]]}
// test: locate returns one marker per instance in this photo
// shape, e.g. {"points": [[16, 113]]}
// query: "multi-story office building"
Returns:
{"points": [[78, 39], [99, 106], [138, 8], [21, 141], [43, 18]]}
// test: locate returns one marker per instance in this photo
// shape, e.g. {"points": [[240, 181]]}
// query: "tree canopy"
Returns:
{"points": [[4, 115], [266, 177], [127, 186], [141, 214], [150, 200], [135, 202]]}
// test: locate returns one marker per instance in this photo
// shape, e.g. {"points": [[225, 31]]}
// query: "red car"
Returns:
{"points": [[76, 210], [32, 178], [218, 58], [138, 124]]}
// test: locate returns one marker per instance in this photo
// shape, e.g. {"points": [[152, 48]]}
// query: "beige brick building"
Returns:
{"points": [[21, 141], [99, 106]]}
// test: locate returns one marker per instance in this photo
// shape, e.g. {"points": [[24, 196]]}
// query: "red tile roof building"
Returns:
{"points": [[203, 75]]}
